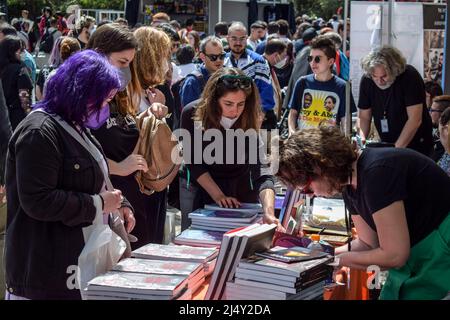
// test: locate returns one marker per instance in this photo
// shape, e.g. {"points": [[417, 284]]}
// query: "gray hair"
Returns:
{"points": [[213, 39], [236, 26], [387, 56]]}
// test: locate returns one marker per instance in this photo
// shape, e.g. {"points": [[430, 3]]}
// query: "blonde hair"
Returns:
{"points": [[387, 56], [154, 48]]}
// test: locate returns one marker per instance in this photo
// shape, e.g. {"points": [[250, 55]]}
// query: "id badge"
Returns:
{"points": [[384, 126]]}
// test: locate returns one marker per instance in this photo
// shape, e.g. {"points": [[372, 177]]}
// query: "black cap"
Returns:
{"points": [[309, 34]]}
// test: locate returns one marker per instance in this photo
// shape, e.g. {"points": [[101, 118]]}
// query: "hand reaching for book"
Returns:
{"points": [[269, 219], [227, 202]]}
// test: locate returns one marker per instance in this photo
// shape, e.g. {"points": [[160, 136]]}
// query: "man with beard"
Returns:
{"points": [[439, 105], [255, 67], [393, 93]]}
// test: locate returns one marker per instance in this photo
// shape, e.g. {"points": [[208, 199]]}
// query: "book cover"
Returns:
{"points": [[297, 269], [328, 213], [200, 236], [172, 252], [245, 206], [223, 215], [138, 283], [157, 266], [290, 255]]}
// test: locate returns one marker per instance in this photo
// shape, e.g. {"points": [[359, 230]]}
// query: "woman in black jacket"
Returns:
{"points": [[16, 81], [233, 173], [55, 186]]}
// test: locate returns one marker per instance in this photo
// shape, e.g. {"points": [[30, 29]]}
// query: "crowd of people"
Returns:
{"points": [[101, 76]]}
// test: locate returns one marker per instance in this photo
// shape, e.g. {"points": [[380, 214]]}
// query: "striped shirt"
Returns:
{"points": [[257, 68]]}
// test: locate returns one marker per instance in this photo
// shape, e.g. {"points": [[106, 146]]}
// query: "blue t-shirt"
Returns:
{"points": [[319, 102]]}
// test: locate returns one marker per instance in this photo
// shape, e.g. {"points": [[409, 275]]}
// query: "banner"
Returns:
{"points": [[433, 41], [369, 29]]}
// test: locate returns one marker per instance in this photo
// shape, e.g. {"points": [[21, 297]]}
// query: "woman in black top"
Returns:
{"points": [[120, 134], [17, 84], [399, 201], [234, 173]]}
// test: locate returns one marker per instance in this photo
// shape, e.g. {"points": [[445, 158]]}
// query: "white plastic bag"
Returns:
{"points": [[102, 250]]}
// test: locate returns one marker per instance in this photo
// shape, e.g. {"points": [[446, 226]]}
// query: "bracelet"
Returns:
{"points": [[103, 202]]}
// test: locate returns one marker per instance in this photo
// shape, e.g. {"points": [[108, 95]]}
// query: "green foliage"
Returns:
{"points": [[317, 8], [35, 6]]}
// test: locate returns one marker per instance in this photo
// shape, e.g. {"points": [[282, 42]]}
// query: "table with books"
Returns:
{"points": [[225, 254]]}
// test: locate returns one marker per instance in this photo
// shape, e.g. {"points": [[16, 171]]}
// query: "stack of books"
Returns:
{"points": [[116, 285], [237, 244], [258, 277], [194, 272], [199, 238], [215, 218], [153, 251]]}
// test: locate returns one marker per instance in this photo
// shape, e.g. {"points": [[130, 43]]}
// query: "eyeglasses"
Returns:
{"points": [[316, 59], [236, 81], [307, 187], [236, 39], [435, 110], [214, 57]]}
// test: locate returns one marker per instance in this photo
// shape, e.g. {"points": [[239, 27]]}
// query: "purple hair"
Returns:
{"points": [[85, 79]]}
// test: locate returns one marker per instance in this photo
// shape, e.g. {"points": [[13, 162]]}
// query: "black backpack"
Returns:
{"points": [[47, 41]]}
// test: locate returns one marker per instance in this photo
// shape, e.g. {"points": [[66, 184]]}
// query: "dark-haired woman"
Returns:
{"points": [[398, 200], [229, 102], [56, 186], [119, 135], [16, 81]]}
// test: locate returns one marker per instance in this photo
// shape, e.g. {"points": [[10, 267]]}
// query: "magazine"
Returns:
{"points": [[290, 255]]}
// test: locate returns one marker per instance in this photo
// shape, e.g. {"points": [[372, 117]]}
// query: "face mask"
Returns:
{"points": [[227, 123], [92, 30], [97, 118], [125, 78], [22, 56], [281, 64]]}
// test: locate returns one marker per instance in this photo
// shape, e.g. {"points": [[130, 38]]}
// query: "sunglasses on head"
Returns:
{"points": [[316, 59], [236, 81], [214, 57]]}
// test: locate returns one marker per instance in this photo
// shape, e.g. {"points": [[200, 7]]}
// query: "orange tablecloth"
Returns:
{"points": [[201, 292]]}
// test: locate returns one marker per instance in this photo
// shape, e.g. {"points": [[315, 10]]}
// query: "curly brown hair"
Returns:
{"points": [[318, 152]]}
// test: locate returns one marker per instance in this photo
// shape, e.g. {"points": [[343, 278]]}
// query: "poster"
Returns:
{"points": [[369, 21], [433, 41]]}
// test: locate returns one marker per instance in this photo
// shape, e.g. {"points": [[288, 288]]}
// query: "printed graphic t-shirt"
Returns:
{"points": [[318, 102]]}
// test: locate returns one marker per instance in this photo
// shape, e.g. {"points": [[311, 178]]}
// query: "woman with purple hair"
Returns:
{"points": [[56, 180]]}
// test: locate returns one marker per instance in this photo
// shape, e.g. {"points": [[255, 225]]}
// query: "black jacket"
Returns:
{"points": [[50, 178], [243, 180], [5, 133]]}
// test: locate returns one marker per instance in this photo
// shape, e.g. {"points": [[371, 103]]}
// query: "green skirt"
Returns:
{"points": [[426, 274]]}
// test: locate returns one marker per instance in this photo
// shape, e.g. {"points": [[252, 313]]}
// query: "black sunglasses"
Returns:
{"points": [[316, 59], [236, 81], [214, 57]]}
